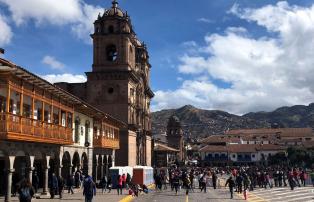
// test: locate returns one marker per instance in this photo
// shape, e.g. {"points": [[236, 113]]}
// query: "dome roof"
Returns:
{"points": [[114, 10]]}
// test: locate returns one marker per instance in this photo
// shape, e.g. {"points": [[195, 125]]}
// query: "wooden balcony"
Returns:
{"points": [[17, 128], [105, 142]]}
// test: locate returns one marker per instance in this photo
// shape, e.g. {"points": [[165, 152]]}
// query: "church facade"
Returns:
{"points": [[119, 83]]}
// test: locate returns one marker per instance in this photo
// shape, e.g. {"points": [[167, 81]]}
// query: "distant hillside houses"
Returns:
{"points": [[252, 146]]}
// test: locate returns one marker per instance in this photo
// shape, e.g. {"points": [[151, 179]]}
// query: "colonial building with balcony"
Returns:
{"points": [[119, 83], [45, 130]]}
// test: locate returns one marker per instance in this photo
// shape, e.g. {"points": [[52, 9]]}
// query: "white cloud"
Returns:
{"points": [[53, 62], [69, 78], [205, 20], [5, 31], [85, 25], [262, 73], [43, 11], [75, 13]]}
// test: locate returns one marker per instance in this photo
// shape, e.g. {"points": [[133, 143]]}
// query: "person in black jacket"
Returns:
{"points": [[239, 181], [54, 188], [35, 181], [103, 183], [61, 185], [231, 184], [70, 183], [214, 179]]}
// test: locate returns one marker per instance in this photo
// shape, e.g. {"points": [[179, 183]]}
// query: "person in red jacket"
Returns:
{"points": [[123, 180], [119, 188], [303, 177]]}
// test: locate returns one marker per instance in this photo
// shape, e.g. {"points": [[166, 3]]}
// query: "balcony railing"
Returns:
{"points": [[14, 127], [105, 142]]}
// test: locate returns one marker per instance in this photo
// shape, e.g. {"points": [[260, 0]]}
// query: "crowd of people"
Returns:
{"points": [[238, 179], [26, 191]]}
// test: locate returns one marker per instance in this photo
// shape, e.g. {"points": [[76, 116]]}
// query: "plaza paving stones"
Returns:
{"points": [[78, 196], [283, 194], [221, 195]]}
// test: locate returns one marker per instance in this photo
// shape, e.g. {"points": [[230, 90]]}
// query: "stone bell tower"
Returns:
{"points": [[175, 136], [119, 83]]}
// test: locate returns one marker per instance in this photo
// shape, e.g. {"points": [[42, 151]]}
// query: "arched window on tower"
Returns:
{"points": [[111, 53], [110, 29]]}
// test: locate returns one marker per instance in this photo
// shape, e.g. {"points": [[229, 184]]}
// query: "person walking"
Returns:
{"points": [[203, 183], [128, 180], [109, 184], [26, 191], [53, 186], [70, 183], [103, 184], [214, 179], [176, 182], [230, 182], [291, 180], [158, 182], [35, 181], [61, 186], [187, 184], [192, 181], [239, 181], [303, 177], [89, 189], [123, 181], [312, 177], [120, 183]]}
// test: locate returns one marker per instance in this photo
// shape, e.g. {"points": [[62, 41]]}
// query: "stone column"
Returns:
{"points": [[101, 170], [31, 169], [70, 169], [46, 168], [107, 165], [96, 168], [113, 157], [60, 170], [9, 185], [30, 174], [9, 178]]}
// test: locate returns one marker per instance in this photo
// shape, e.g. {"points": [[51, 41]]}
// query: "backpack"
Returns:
{"points": [[89, 188], [25, 193]]}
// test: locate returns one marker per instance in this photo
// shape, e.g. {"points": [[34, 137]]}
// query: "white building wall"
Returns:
{"points": [[83, 118]]}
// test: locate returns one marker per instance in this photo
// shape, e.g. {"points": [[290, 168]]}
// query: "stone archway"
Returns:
{"points": [[76, 162], [105, 162], [109, 161], [21, 165], [84, 164], [99, 168], [66, 169]]}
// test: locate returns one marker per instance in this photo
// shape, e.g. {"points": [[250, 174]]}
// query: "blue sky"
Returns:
{"points": [[187, 41]]}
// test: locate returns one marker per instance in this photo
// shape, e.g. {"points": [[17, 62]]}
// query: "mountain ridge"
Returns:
{"points": [[199, 123]]}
